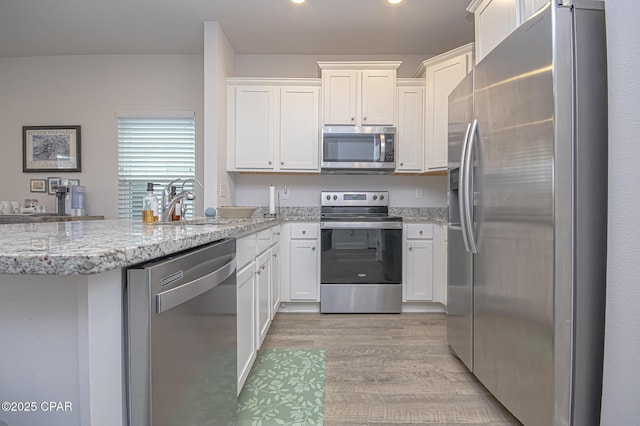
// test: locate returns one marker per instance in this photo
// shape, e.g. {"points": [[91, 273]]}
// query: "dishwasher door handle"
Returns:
{"points": [[187, 291]]}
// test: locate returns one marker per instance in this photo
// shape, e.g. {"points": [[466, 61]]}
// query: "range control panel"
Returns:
{"points": [[364, 198]]}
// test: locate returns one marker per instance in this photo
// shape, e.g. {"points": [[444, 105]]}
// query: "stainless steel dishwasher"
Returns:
{"points": [[180, 314]]}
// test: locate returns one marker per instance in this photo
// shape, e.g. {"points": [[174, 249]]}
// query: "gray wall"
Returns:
{"points": [[621, 396], [88, 90]]}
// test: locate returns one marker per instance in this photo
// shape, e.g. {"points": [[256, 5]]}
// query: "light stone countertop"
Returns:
{"points": [[92, 247]]}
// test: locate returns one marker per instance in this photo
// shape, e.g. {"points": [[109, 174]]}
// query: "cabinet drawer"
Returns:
{"points": [[246, 250], [420, 231], [264, 240], [275, 234], [304, 231]]}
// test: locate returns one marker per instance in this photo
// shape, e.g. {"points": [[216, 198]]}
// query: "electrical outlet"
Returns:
{"points": [[419, 193], [223, 190], [285, 192]]}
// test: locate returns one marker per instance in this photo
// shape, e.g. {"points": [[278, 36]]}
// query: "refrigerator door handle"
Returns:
{"points": [[468, 189], [461, 189]]}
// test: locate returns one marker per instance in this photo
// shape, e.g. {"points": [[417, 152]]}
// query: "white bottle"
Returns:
{"points": [[149, 206]]}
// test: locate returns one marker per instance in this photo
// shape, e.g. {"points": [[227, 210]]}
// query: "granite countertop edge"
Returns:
{"points": [[128, 244]]}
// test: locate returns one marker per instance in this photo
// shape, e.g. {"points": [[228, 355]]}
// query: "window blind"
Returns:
{"points": [[153, 148]]}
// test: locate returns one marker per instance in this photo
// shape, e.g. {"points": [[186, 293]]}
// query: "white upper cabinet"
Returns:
{"points": [[494, 21], [255, 126], [359, 93], [530, 7], [273, 125], [299, 128], [442, 75], [340, 91], [410, 122]]}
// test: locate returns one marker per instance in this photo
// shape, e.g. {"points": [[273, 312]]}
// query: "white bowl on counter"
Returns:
{"points": [[235, 212]]}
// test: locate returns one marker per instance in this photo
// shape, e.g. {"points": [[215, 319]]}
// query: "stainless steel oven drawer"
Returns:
{"points": [[360, 298]]}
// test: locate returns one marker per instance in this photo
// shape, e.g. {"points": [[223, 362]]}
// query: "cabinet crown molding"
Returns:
{"points": [[467, 48], [252, 81], [360, 65], [474, 5]]}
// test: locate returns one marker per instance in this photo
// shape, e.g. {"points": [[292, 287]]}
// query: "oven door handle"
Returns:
{"points": [[360, 225]]}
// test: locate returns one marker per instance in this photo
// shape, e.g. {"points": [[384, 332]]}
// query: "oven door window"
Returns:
{"points": [[363, 147], [361, 256]]}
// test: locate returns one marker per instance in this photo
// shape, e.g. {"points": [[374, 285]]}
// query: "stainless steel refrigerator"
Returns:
{"points": [[528, 211]]}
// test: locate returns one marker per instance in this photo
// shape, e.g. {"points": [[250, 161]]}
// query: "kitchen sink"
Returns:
{"points": [[202, 221]]}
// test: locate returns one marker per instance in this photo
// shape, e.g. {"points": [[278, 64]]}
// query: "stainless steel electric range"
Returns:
{"points": [[361, 257]]}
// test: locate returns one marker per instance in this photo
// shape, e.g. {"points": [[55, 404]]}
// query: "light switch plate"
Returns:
{"points": [[285, 192]]}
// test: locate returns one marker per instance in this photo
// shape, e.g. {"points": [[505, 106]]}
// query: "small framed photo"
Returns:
{"points": [[53, 183], [51, 149], [38, 185], [73, 182]]}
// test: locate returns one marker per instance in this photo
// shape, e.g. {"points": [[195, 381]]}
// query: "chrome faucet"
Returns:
{"points": [[164, 205], [166, 214]]}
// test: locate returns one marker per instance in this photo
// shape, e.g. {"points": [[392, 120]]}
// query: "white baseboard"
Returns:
{"points": [[299, 307], [429, 307], [407, 307]]}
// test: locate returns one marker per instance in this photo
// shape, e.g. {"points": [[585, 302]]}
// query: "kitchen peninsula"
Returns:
{"points": [[61, 312]]}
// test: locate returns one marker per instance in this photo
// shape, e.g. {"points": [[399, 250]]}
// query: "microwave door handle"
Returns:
{"points": [[379, 150]]}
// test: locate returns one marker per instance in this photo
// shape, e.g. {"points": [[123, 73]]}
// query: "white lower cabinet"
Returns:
{"points": [[263, 301], [304, 262], [255, 282], [246, 322], [275, 280], [419, 256]]}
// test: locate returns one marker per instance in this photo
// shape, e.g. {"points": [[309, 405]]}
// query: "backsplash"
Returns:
{"points": [[438, 214]]}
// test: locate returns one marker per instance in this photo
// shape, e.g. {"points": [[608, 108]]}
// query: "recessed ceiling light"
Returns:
{"points": [[394, 1], [298, 1]]}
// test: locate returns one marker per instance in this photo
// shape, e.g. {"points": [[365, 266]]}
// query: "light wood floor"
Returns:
{"points": [[389, 370]]}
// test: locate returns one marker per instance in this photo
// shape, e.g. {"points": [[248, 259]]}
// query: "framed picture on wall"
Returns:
{"points": [[38, 185], [51, 149], [53, 183]]}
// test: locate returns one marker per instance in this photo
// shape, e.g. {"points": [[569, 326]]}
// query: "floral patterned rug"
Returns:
{"points": [[286, 387]]}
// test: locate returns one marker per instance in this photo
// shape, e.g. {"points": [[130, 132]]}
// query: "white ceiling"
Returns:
{"points": [[340, 27]]}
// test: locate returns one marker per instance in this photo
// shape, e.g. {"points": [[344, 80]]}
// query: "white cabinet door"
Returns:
{"points": [[442, 78], [529, 7], [275, 280], [299, 128], [304, 270], [255, 126], [246, 322], [494, 21], [419, 279], [410, 131], [339, 90], [263, 303], [378, 95]]}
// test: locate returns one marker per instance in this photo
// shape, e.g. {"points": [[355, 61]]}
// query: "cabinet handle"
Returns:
{"points": [[276, 233], [402, 163], [364, 119], [258, 272], [262, 267], [353, 118], [410, 248], [275, 255], [304, 232], [282, 163], [420, 232], [313, 248], [270, 163]]}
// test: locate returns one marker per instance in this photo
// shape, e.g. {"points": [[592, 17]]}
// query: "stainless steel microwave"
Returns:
{"points": [[358, 150]]}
